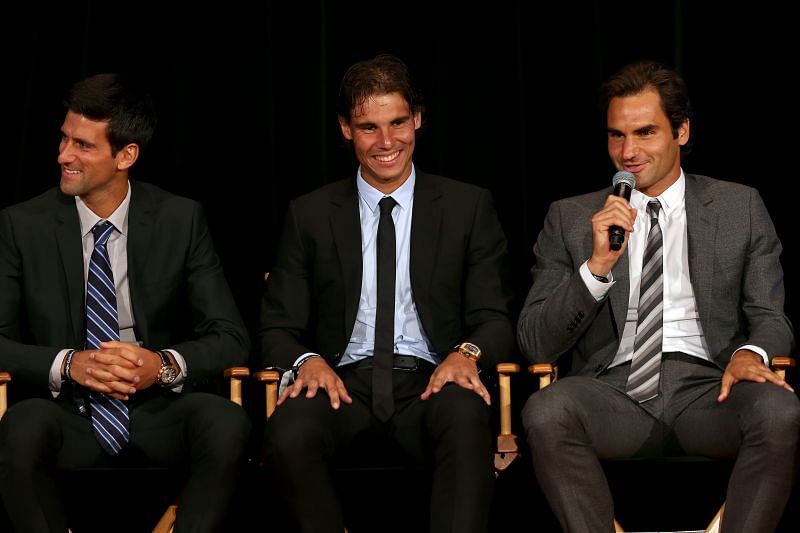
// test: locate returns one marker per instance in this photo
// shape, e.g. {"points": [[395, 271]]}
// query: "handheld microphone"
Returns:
{"points": [[623, 182]]}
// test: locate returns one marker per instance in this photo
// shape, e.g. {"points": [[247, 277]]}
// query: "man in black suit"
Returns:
{"points": [[168, 323], [324, 315], [665, 341]]}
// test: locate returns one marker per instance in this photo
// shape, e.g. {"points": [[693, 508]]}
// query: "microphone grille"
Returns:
{"points": [[623, 176]]}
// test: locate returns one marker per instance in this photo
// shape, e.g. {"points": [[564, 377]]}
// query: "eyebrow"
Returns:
{"points": [[643, 129]]}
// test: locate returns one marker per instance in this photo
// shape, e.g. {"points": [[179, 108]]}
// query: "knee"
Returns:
{"points": [[456, 409], [775, 417], [298, 429], [26, 431], [222, 427], [546, 415]]}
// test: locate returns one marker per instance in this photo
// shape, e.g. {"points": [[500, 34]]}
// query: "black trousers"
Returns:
{"points": [[574, 423], [450, 432], [203, 434]]}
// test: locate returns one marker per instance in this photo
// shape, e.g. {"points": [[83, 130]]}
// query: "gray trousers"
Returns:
{"points": [[578, 421]]}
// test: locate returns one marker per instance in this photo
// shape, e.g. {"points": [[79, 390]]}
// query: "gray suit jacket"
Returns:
{"points": [[734, 268]]}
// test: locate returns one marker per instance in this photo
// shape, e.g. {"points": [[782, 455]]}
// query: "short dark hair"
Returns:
{"points": [[121, 101], [637, 77], [382, 74]]}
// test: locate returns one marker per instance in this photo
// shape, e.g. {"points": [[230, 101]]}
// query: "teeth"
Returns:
{"points": [[70, 171], [387, 158]]}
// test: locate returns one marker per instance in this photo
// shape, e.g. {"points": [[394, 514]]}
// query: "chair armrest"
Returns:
{"points": [[270, 378], [779, 365], [548, 373], [5, 377], [507, 449], [236, 375]]}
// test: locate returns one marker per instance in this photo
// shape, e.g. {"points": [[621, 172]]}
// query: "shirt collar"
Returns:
{"points": [[670, 199], [119, 218], [402, 195]]}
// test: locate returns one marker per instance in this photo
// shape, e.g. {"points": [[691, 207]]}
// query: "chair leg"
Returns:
{"points": [[167, 521], [617, 527], [714, 526]]}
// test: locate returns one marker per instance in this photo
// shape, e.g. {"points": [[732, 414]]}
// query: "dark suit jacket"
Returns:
{"points": [[458, 273], [179, 296], [734, 268]]}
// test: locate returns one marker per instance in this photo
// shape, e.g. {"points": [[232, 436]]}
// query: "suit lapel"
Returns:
{"points": [[70, 247], [619, 295], [346, 227], [140, 235], [701, 225], [426, 221]]}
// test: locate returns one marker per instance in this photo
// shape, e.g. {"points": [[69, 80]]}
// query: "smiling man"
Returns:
{"points": [[113, 308], [388, 297], [665, 343]]}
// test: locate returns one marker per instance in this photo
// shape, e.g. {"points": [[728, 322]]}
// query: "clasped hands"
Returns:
{"points": [[117, 368], [316, 374]]}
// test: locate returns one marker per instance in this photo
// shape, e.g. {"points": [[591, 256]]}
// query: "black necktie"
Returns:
{"points": [[382, 395]]}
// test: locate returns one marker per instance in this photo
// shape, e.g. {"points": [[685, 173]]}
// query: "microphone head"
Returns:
{"points": [[623, 176]]}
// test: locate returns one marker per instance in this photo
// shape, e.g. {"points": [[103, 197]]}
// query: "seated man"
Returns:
{"points": [[667, 338], [113, 306], [388, 297]]}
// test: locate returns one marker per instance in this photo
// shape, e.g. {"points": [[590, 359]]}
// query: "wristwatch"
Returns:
{"points": [[469, 350], [167, 374]]}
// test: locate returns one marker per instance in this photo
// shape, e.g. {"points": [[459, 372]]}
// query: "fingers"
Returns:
{"points": [[115, 389], [725, 388], [334, 387], [469, 381]]}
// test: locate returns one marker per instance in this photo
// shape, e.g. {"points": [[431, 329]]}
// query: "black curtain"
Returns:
{"points": [[246, 92]]}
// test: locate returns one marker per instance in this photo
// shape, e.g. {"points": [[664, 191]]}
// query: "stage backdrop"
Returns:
{"points": [[246, 91]]}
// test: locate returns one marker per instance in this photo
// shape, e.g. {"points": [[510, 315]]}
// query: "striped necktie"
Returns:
{"points": [[109, 415], [646, 363]]}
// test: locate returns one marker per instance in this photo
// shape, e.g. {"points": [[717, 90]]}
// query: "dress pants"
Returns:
{"points": [[450, 432], [574, 423], [203, 434]]}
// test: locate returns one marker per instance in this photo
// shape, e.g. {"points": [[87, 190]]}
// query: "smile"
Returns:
{"points": [[387, 158]]}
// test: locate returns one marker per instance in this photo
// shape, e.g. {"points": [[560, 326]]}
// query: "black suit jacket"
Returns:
{"points": [[458, 262], [179, 296]]}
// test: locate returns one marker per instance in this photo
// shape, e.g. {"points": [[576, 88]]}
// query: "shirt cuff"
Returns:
{"points": [[598, 289], [55, 380], [178, 384], [756, 349]]}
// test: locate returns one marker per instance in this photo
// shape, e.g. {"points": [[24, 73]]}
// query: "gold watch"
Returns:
{"points": [[469, 350]]}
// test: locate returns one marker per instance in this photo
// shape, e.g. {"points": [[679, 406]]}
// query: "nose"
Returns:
{"points": [[629, 147], [385, 138], [65, 153]]}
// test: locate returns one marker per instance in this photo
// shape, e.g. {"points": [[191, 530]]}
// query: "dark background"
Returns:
{"points": [[246, 91]]}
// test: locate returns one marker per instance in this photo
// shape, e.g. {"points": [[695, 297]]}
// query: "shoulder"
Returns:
{"points": [[448, 186], [332, 192], [41, 204], [156, 198]]}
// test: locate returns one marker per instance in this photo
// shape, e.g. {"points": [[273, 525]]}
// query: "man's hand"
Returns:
{"points": [[316, 374], [117, 369], [457, 369], [615, 212], [746, 365]]}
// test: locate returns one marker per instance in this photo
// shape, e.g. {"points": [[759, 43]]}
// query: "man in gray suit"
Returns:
{"points": [[685, 372]]}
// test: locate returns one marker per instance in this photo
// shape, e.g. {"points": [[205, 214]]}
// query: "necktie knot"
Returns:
{"points": [[102, 231], [386, 205], [653, 207]]}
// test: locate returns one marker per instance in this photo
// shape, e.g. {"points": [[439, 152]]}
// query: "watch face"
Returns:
{"points": [[470, 350], [167, 375]]}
